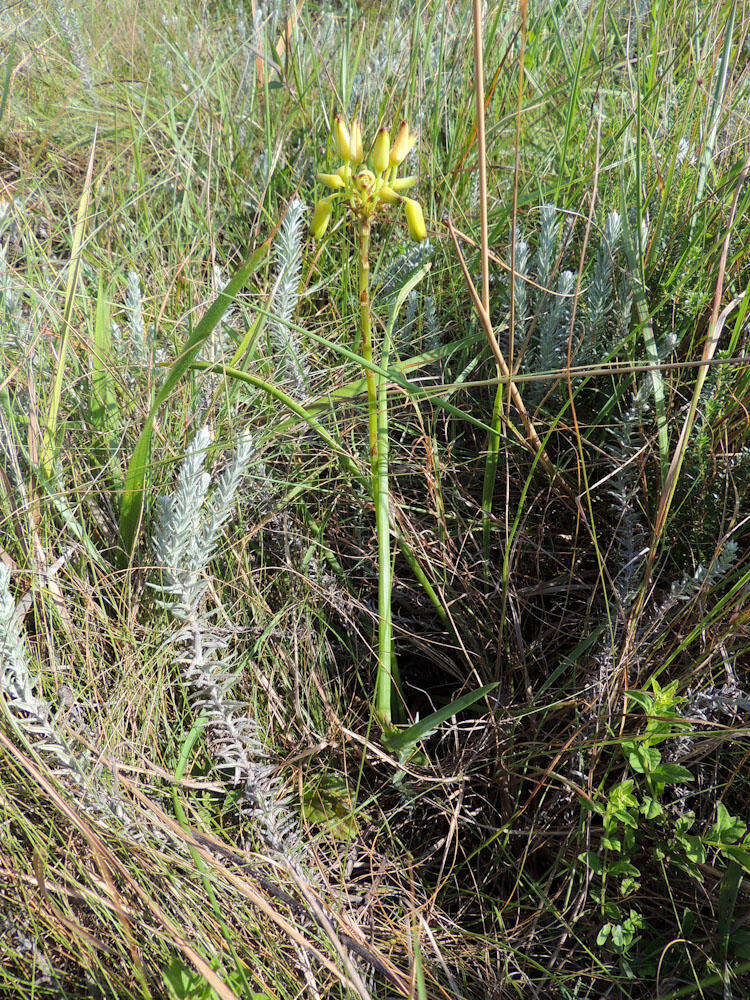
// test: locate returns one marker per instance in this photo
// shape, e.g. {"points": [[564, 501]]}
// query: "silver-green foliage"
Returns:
{"points": [[600, 297], [69, 25], [549, 244], [288, 265], [186, 531], [629, 529], [134, 305], [31, 715], [178, 528], [520, 287], [14, 329], [546, 291]]}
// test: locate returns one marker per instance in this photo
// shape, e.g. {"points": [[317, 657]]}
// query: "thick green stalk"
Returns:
{"points": [[384, 680], [377, 411], [366, 322]]}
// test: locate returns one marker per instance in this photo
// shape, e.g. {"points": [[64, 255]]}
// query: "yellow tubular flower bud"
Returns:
{"points": [[402, 145], [333, 181], [355, 142], [341, 138], [365, 179], [321, 217], [388, 194], [381, 151], [415, 219], [403, 183]]}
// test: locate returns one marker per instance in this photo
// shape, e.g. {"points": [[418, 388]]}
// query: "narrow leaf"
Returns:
{"points": [[404, 741], [131, 508], [49, 442], [103, 408]]}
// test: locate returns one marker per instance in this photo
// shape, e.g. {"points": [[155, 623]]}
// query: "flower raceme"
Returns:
{"points": [[365, 185], [365, 188]]}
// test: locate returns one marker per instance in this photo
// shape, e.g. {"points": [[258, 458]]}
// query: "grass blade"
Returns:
{"points": [[6, 84], [634, 251], [381, 495], [103, 408], [403, 742], [49, 442], [714, 110]]}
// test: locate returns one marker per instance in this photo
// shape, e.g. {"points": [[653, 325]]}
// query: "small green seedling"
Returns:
{"points": [[636, 815]]}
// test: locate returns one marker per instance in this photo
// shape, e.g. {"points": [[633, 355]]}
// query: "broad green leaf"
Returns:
{"points": [[644, 759], [182, 982], [739, 854], [694, 849], [728, 829], [592, 859], [650, 808], [685, 822], [329, 804], [672, 774], [623, 793], [624, 867], [642, 699], [603, 934], [739, 944]]}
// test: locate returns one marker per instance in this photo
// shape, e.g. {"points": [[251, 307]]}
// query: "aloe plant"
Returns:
{"points": [[367, 190]]}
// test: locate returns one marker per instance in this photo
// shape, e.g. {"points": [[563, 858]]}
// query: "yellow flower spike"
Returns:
{"points": [[355, 142], [333, 181], [321, 217], [381, 151], [402, 145], [365, 193], [415, 219], [403, 183], [341, 138]]}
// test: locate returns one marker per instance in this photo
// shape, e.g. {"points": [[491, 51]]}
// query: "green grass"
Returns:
{"points": [[456, 867]]}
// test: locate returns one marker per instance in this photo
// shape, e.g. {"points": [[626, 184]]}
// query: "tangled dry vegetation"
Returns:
{"points": [[220, 774]]}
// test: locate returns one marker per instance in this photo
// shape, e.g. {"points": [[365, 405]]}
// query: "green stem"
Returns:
{"points": [[490, 471], [377, 412], [384, 681], [366, 322]]}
